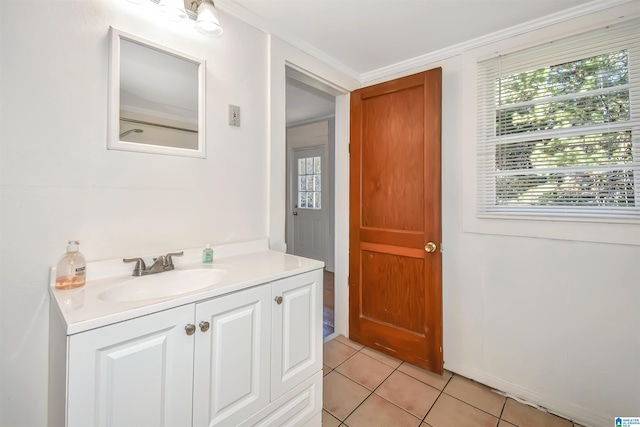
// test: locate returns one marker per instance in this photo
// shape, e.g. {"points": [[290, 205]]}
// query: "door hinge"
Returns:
{"points": [[349, 149]]}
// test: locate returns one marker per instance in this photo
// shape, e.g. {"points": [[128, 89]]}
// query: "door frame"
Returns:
{"points": [[286, 59]]}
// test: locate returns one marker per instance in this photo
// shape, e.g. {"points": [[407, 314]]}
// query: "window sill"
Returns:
{"points": [[579, 229]]}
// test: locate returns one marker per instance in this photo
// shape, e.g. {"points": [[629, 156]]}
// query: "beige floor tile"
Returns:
{"points": [[449, 411], [329, 420], [527, 416], [408, 393], [365, 370], [475, 394], [384, 358], [434, 380], [503, 423], [325, 370], [377, 412], [335, 353], [347, 341], [340, 395]]}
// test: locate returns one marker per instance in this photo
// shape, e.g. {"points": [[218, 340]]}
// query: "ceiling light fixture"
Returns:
{"points": [[173, 9], [203, 12]]}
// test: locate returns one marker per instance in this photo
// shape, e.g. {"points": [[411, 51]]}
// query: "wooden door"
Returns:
{"points": [[395, 273], [232, 357]]}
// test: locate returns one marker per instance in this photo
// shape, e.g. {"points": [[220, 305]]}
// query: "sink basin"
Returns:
{"points": [[161, 285]]}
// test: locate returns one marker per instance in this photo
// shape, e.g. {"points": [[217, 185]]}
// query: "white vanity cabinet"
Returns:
{"points": [[133, 373], [248, 357], [232, 357], [297, 317]]}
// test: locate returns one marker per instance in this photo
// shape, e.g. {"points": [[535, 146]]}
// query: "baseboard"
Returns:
{"points": [[553, 404]]}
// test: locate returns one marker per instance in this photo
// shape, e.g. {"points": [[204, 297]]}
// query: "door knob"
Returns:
{"points": [[295, 213], [430, 247], [204, 326], [278, 300], [190, 329]]}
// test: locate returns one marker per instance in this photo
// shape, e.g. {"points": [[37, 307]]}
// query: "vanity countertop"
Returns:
{"points": [[82, 309]]}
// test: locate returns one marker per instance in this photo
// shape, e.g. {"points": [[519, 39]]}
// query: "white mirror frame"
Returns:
{"points": [[113, 134]]}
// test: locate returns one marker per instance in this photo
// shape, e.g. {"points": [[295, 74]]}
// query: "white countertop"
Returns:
{"points": [[81, 309]]}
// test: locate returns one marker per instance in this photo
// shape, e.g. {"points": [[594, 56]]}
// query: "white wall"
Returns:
{"points": [[549, 312], [59, 182]]}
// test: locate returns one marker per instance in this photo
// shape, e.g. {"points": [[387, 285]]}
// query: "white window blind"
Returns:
{"points": [[559, 128]]}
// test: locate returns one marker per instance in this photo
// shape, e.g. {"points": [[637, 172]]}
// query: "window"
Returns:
{"points": [[309, 177], [559, 128]]}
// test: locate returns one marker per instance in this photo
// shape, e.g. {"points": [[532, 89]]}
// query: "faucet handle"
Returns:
{"points": [[139, 267], [171, 255]]}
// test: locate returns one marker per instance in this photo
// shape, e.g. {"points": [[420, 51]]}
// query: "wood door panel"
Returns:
{"points": [[395, 293], [401, 305], [393, 150], [403, 239], [392, 250]]}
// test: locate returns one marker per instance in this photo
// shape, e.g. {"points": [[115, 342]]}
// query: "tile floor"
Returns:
{"points": [[365, 388]]}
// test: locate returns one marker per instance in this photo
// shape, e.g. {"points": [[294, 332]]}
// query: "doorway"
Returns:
{"points": [[310, 148]]}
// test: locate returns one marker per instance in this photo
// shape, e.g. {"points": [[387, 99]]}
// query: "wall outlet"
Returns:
{"points": [[234, 115]]}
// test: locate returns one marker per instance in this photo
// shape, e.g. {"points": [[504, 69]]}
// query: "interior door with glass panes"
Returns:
{"points": [[310, 213]]}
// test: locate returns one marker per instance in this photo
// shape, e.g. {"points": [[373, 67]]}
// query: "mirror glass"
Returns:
{"points": [[156, 98]]}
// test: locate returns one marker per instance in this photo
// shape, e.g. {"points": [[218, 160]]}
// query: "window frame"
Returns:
{"points": [[608, 39]]}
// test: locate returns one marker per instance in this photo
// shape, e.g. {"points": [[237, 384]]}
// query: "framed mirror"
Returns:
{"points": [[156, 98]]}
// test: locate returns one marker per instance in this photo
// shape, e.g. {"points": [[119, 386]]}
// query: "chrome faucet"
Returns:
{"points": [[160, 264]]}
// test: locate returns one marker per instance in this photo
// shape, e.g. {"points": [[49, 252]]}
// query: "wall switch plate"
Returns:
{"points": [[234, 115]]}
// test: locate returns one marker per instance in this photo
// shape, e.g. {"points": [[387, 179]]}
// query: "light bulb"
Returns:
{"points": [[207, 22]]}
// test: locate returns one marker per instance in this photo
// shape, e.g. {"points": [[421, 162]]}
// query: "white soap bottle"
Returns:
{"points": [[71, 269], [207, 254]]}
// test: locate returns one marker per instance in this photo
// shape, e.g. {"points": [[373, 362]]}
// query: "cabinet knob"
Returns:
{"points": [[191, 329], [204, 326], [278, 300]]}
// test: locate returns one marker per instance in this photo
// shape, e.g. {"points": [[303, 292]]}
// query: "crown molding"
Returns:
{"points": [[244, 14], [238, 11], [536, 24]]}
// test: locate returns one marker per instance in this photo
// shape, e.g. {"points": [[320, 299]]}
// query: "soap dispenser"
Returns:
{"points": [[71, 269], [207, 254]]}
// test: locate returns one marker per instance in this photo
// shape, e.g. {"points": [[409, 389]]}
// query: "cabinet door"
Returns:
{"points": [[134, 373], [232, 357], [297, 331]]}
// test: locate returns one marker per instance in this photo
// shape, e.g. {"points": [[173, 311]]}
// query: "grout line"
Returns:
{"points": [[504, 405], [473, 406], [372, 392], [387, 400], [430, 409], [437, 398]]}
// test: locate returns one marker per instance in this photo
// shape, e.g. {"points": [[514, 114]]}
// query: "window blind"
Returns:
{"points": [[559, 128]]}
